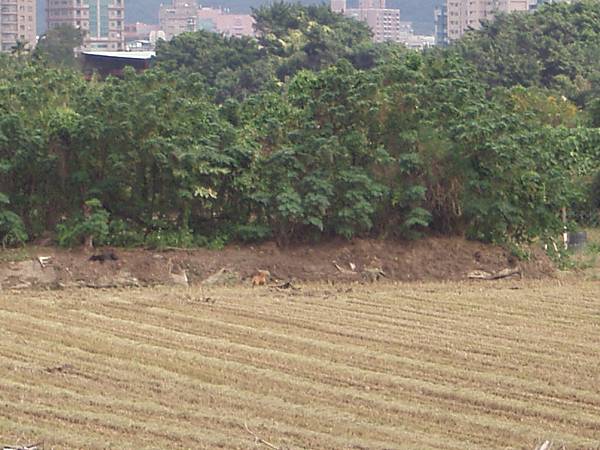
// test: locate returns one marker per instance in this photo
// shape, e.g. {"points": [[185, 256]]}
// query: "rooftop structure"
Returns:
{"points": [[414, 41], [142, 36], [107, 63]]}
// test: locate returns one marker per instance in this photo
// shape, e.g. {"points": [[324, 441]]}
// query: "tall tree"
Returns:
{"points": [[556, 47], [57, 46]]}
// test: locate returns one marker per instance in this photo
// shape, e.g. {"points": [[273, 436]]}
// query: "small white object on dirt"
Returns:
{"points": [[545, 446], [44, 261], [342, 270], [352, 266]]}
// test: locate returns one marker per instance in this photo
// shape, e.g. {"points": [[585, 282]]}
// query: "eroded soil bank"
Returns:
{"points": [[432, 259]]}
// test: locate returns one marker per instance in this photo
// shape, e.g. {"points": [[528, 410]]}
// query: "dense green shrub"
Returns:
{"points": [[92, 225], [310, 132], [12, 229]]}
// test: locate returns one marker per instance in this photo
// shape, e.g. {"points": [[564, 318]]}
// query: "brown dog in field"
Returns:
{"points": [[261, 278]]}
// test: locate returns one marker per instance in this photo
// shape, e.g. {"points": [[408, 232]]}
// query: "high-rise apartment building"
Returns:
{"points": [[455, 17], [383, 22], [186, 16], [179, 17], [103, 21], [219, 21], [464, 15], [17, 24], [441, 25], [338, 6]]}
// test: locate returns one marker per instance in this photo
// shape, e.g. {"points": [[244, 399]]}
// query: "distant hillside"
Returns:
{"points": [[420, 12]]}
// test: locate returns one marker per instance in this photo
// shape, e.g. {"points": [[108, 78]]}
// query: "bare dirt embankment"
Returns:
{"points": [[360, 260]]}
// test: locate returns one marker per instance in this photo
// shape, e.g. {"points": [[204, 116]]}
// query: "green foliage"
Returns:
{"points": [[92, 223], [57, 46], [308, 132], [164, 238], [12, 229], [291, 37], [586, 209], [594, 191], [230, 67], [593, 248], [556, 47], [306, 37], [559, 255], [217, 243], [122, 233], [518, 251], [253, 232]]}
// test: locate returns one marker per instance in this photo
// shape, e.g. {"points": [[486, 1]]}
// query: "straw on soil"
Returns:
{"points": [[452, 366]]}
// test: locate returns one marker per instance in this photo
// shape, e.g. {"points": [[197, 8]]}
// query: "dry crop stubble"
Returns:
{"points": [[452, 366]]}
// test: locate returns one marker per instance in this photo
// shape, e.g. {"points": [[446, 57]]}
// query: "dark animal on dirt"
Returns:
{"points": [[105, 256]]}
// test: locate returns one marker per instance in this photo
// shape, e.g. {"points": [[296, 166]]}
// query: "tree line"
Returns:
{"points": [[308, 132]]}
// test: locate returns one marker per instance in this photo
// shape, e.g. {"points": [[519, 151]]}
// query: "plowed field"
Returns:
{"points": [[448, 366]]}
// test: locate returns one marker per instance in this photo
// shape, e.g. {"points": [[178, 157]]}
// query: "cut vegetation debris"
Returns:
{"points": [[417, 366]]}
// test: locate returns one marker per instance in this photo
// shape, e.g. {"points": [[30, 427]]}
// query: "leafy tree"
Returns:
{"points": [[57, 46], [556, 47], [89, 227], [308, 132], [291, 37], [12, 229], [230, 67], [19, 49], [307, 37]]}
